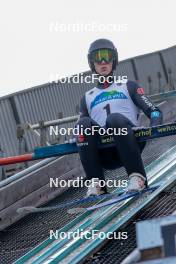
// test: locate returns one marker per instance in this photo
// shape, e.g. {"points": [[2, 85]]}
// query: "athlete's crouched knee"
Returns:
{"points": [[116, 120]]}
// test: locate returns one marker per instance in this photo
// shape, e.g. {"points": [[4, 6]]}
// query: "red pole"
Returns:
{"points": [[16, 159]]}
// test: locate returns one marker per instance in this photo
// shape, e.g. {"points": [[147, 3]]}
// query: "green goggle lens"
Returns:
{"points": [[102, 55]]}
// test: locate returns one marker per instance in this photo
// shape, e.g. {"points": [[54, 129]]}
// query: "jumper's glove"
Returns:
{"points": [[156, 118]]}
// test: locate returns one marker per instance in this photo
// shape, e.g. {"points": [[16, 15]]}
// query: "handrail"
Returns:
{"points": [[26, 171]]}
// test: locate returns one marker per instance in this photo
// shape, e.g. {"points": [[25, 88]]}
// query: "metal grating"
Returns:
{"points": [[117, 250]]}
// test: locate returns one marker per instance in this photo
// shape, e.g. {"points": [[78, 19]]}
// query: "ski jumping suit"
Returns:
{"points": [[114, 106]]}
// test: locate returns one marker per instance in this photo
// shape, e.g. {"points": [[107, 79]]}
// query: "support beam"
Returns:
{"points": [[142, 134]]}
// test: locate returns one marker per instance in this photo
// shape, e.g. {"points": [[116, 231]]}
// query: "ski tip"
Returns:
{"points": [[76, 210], [26, 209]]}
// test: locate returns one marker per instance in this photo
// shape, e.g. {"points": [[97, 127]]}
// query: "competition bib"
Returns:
{"points": [[114, 99]]}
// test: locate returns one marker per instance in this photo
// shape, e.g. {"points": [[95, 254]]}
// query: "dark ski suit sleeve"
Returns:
{"points": [[143, 102], [83, 112], [83, 107]]}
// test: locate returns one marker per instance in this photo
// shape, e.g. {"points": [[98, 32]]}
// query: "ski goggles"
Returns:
{"points": [[106, 55]]}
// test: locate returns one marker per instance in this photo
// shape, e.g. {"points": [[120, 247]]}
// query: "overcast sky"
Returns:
{"points": [[42, 40]]}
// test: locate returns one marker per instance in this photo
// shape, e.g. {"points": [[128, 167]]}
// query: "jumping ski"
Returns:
{"points": [[115, 200]]}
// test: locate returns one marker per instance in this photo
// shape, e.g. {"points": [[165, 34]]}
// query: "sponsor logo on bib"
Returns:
{"points": [[106, 96]]}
